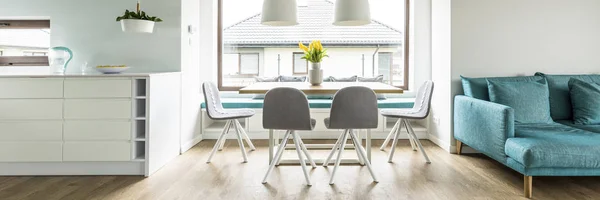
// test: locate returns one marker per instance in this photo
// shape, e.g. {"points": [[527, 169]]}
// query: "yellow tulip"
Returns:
{"points": [[311, 46], [303, 47]]}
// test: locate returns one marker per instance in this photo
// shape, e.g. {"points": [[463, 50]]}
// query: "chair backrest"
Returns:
{"points": [[423, 100], [354, 108], [286, 108], [212, 99]]}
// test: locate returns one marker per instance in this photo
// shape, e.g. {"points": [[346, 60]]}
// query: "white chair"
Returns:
{"points": [[287, 109], [352, 108], [420, 110], [215, 111]]}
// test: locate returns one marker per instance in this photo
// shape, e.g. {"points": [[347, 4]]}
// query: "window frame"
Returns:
{"points": [[24, 60], [240, 64], [406, 47], [294, 64]]}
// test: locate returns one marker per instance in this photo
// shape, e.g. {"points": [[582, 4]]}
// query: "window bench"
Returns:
{"points": [[319, 111]]}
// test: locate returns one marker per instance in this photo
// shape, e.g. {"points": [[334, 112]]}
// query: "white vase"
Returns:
{"points": [[137, 26], [315, 74]]}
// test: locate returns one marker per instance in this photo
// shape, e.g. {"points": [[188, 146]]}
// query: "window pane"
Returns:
{"points": [[28, 38], [352, 50], [300, 65], [231, 64], [249, 64], [385, 65]]}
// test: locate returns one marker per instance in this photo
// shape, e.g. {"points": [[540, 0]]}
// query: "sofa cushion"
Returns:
{"points": [[591, 128], [554, 146], [560, 100], [292, 78], [344, 79], [585, 98], [528, 99], [478, 88]]}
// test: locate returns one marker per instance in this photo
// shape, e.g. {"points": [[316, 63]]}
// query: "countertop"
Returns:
{"points": [[75, 75]]}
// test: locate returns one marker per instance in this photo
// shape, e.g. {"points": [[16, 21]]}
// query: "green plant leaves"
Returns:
{"points": [[138, 15]]}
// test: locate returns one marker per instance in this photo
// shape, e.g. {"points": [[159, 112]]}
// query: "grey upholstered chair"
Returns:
{"points": [[352, 108], [215, 111], [287, 109], [420, 110]]}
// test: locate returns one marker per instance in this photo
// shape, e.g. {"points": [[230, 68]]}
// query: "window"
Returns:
{"points": [[382, 47], [300, 65], [24, 42]]}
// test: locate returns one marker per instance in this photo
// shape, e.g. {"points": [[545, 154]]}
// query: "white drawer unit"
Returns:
{"points": [[91, 130], [30, 151], [97, 88], [31, 131], [32, 88], [97, 151], [119, 124], [97, 109], [36, 109]]}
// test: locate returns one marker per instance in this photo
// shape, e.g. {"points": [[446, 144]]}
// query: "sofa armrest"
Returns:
{"points": [[484, 126]]}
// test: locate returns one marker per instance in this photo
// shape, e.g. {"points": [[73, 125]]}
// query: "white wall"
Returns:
{"points": [[440, 124], [190, 71], [89, 29], [510, 38]]}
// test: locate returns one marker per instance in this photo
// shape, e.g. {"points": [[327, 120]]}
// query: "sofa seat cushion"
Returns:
{"points": [[591, 128], [554, 145]]}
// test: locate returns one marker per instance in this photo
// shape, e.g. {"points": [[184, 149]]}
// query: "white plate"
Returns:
{"points": [[111, 70]]}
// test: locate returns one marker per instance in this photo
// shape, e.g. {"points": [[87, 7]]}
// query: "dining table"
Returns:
{"points": [[326, 88]]}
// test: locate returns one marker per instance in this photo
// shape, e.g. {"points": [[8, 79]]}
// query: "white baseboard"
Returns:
{"points": [[191, 143], [310, 135], [442, 144], [71, 168]]}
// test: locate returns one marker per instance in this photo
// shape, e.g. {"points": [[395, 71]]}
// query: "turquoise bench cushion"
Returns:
{"points": [[560, 100], [554, 146], [478, 87], [313, 103]]}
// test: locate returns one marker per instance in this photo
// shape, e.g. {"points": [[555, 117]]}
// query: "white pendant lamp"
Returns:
{"points": [[352, 13], [279, 13]]}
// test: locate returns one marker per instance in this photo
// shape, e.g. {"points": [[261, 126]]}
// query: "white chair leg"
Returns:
{"points": [[339, 156], [389, 136], [410, 138], [360, 159], [394, 143], [241, 143], [305, 150], [226, 128], [282, 145], [218, 143], [252, 148], [300, 157], [277, 156], [412, 132], [335, 146], [361, 152]]}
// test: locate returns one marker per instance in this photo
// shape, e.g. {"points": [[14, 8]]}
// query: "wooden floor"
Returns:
{"points": [[409, 177]]}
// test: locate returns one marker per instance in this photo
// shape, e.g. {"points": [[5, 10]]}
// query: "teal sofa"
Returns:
{"points": [[557, 148]]}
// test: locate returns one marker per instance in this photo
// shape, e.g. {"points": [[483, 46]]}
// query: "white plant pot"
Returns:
{"points": [[137, 26]]}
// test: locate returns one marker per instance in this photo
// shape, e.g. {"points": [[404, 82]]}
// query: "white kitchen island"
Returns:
{"points": [[121, 124]]}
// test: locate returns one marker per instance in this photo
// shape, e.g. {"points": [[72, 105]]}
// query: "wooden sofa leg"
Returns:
{"points": [[528, 186], [458, 147]]}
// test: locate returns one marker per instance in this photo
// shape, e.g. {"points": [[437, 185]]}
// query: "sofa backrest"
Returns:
{"points": [[560, 99], [478, 87]]}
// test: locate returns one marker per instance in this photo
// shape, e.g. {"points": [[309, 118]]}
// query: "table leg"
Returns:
{"points": [[369, 144], [271, 146]]}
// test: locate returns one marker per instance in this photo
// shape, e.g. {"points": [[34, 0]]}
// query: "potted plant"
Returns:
{"points": [[138, 22], [314, 53]]}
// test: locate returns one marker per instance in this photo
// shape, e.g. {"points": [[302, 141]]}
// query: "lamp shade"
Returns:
{"points": [[352, 13], [279, 13]]}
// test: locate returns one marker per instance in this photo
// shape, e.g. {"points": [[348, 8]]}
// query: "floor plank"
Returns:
{"points": [[449, 176]]}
